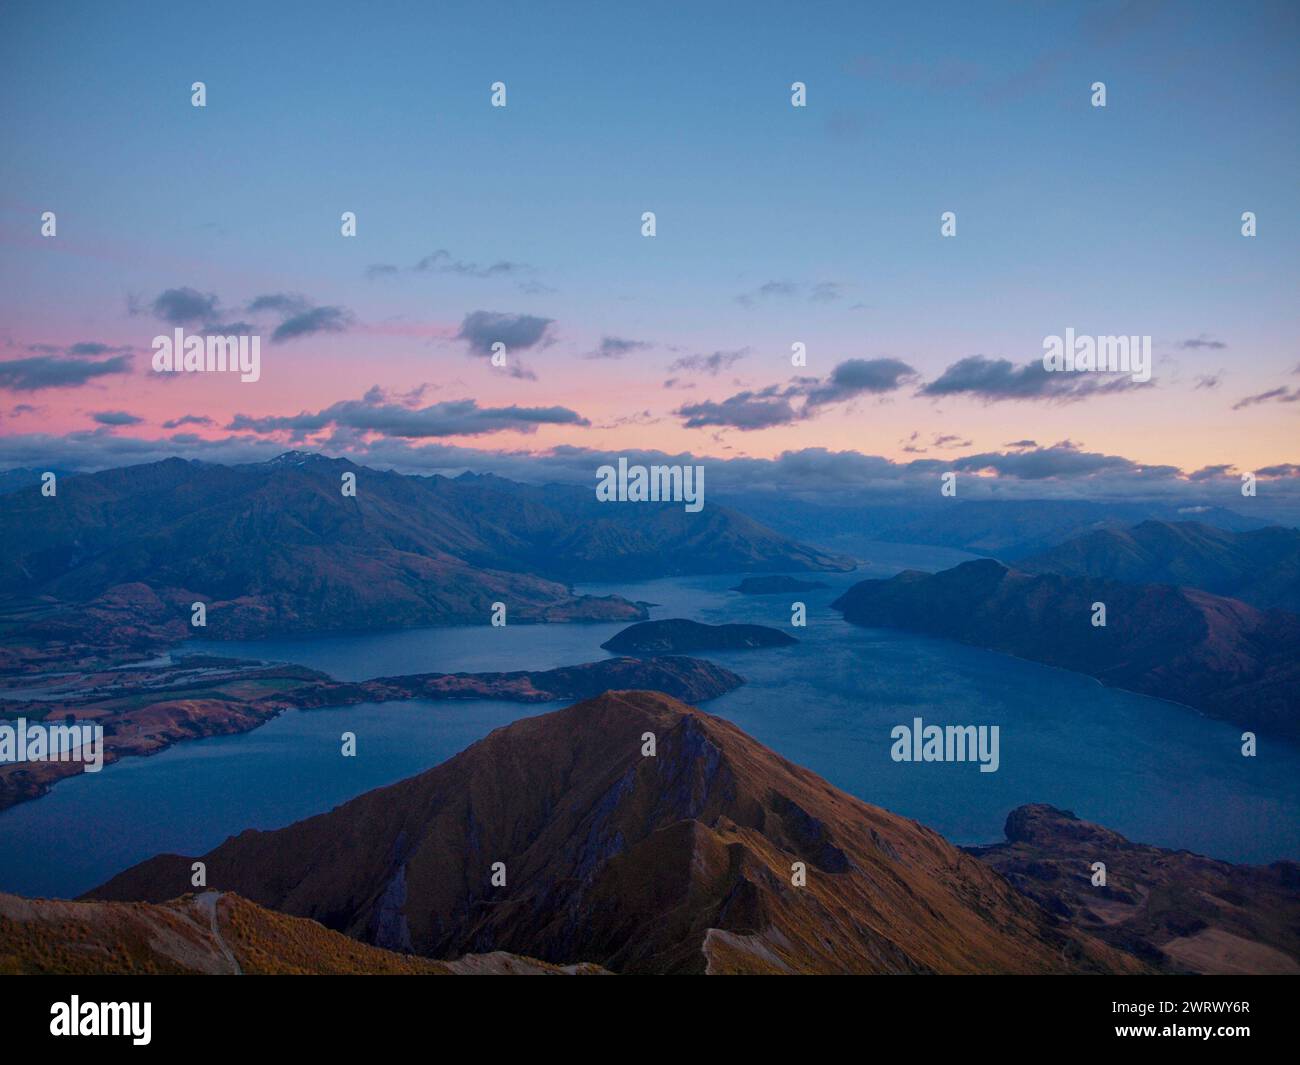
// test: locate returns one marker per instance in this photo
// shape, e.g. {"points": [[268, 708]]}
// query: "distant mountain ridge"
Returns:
{"points": [[276, 547], [1219, 655], [1257, 566], [678, 860], [1006, 529]]}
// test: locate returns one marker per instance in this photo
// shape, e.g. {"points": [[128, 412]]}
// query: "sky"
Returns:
{"points": [[775, 225]]}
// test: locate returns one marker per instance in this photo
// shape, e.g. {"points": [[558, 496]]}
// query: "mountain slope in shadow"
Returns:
{"points": [[208, 934], [684, 860], [1181, 912], [1218, 655], [276, 546], [1259, 566]]}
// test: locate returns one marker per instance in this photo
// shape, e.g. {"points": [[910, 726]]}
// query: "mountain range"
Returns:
{"points": [[1007, 529], [1219, 655], [636, 833], [1257, 566], [276, 547]]}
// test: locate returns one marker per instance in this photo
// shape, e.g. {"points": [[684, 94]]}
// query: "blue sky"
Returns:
{"points": [[1123, 219]]}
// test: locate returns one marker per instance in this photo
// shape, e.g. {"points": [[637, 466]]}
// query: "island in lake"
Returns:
{"points": [[679, 636]]}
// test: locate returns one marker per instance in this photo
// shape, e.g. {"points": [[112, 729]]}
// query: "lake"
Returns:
{"points": [[1156, 772]]}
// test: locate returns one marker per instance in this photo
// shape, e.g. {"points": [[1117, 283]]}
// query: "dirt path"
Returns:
{"points": [[207, 902]]}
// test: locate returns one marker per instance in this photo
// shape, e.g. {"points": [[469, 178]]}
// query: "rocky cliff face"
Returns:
{"points": [[711, 854], [1178, 911]]}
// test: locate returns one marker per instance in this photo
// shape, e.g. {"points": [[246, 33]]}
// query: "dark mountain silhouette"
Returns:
{"points": [[27, 478], [1007, 529], [678, 636], [680, 861], [1178, 911], [1218, 655], [276, 547], [1259, 566]]}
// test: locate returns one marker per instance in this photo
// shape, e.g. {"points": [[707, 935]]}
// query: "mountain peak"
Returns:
{"points": [[302, 458], [642, 834]]}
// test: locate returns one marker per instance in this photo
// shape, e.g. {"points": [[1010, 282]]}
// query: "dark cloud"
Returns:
{"points": [[412, 397], [226, 329], [774, 405], [373, 414], [518, 332], [282, 303], [712, 363], [856, 377], [1208, 381], [1281, 395], [93, 349], [745, 410], [58, 371], [201, 312], [312, 321], [1063, 460], [116, 417], [86, 349], [1202, 341], [184, 306], [188, 419], [616, 347], [641, 417], [994, 380], [442, 262], [814, 292]]}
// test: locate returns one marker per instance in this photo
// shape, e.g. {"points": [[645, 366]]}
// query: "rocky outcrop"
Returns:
{"points": [[1176, 911]]}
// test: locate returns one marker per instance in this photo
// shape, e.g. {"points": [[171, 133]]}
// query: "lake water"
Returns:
{"points": [[1156, 772]]}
